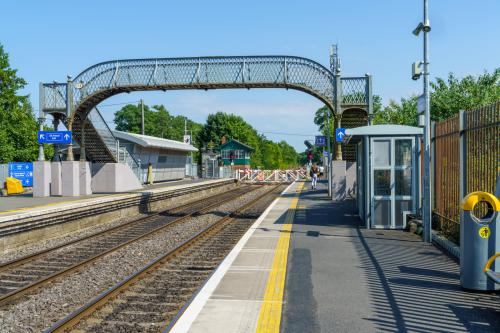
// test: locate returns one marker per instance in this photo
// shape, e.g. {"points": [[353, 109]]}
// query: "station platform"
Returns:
{"points": [[19, 203], [308, 265]]}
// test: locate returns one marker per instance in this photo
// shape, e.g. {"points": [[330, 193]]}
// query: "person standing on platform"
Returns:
{"points": [[314, 176]]}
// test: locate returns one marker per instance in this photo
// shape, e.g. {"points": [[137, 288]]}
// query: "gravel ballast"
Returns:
{"points": [[39, 311]]}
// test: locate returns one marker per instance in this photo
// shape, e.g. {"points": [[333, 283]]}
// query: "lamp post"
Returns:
{"points": [[426, 209]]}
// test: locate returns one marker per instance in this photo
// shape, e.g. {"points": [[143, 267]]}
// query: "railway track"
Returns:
{"points": [[153, 297], [22, 276]]}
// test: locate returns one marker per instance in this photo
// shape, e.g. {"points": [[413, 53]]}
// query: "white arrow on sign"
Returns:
{"points": [[341, 135], [66, 136], [42, 136]]}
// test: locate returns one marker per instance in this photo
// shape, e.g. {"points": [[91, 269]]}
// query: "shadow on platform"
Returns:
{"points": [[411, 286]]}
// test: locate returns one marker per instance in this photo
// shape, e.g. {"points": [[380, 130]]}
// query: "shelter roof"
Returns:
{"points": [[152, 141], [238, 143], [384, 130]]}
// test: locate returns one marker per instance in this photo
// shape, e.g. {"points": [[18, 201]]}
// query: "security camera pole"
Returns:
{"points": [[426, 213]]}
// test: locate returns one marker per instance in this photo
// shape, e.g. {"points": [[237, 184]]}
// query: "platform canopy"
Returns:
{"points": [[384, 130], [151, 141]]}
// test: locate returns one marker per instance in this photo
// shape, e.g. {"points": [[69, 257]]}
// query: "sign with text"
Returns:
{"points": [[22, 171], [57, 137], [320, 141]]}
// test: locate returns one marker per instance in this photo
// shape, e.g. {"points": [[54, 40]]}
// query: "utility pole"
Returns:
{"points": [[426, 193], [427, 214], [142, 116]]}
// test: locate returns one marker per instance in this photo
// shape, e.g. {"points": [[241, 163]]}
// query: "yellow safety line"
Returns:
{"points": [[270, 311]]}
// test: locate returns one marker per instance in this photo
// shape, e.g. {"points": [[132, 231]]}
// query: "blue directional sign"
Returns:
{"points": [[22, 171], [325, 153], [320, 140], [59, 137], [339, 134]]}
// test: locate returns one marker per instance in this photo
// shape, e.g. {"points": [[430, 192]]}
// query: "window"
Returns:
{"points": [[162, 159]]}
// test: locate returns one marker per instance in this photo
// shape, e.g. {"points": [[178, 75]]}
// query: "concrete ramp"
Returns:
{"points": [[113, 177]]}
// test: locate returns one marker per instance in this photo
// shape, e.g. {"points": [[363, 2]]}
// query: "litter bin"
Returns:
{"points": [[479, 240]]}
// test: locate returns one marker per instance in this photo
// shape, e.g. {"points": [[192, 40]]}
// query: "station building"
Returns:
{"points": [[167, 157], [236, 154]]}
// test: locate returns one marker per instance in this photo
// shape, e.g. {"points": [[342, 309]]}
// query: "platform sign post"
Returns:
{"points": [[339, 134], [22, 171], [320, 141], [56, 137]]}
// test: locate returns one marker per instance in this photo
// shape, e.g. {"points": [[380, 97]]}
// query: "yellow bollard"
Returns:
{"points": [[150, 174], [14, 186]]}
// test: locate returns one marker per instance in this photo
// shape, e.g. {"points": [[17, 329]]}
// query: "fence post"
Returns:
{"points": [[463, 169], [463, 154], [433, 166]]}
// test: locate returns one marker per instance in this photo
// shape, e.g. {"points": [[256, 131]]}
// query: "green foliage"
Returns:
{"points": [[18, 125], [157, 122], [401, 114], [267, 154], [448, 97], [452, 95], [317, 156]]}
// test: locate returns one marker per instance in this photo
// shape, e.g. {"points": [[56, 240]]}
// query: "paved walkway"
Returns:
{"points": [[344, 278], [340, 277], [26, 200]]}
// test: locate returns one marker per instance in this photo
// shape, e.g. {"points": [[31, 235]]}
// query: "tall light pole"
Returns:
{"points": [[426, 209]]}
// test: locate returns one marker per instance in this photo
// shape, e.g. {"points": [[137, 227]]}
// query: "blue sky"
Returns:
{"points": [[48, 40]]}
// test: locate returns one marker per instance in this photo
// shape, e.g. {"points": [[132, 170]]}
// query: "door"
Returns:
{"points": [[392, 181]]}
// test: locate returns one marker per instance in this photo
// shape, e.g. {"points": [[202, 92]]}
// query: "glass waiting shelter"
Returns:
{"points": [[387, 173]]}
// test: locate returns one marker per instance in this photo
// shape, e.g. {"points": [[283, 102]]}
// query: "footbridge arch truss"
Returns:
{"points": [[76, 100]]}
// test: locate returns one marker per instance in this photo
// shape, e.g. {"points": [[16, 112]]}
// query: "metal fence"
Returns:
{"points": [[467, 144]]}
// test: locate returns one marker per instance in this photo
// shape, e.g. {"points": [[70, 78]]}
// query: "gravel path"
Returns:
{"points": [[39, 311]]}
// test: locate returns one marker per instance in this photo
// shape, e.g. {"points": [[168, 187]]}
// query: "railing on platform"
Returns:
{"points": [[271, 175], [466, 144]]}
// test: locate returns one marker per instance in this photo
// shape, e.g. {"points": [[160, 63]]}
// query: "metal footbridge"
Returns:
{"points": [[75, 102]]}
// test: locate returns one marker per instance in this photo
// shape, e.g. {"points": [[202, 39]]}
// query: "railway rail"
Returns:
{"points": [[22, 276], [153, 297]]}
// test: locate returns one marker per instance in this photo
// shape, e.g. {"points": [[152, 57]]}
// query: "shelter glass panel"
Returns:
{"points": [[403, 152], [403, 181], [382, 210], [382, 182], [382, 153]]}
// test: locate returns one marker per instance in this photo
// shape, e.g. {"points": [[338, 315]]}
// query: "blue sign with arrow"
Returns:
{"points": [[339, 134], [22, 171], [58, 137], [320, 140]]}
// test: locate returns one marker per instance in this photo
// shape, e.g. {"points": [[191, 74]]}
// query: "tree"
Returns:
{"points": [[401, 114], [267, 154], [18, 125], [452, 95], [157, 122]]}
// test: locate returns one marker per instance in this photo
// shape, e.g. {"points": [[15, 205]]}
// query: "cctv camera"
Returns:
{"points": [[416, 72], [419, 28]]}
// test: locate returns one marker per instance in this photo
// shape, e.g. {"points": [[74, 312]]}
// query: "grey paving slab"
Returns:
{"points": [[343, 278]]}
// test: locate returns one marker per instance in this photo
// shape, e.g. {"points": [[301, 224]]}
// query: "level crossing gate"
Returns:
{"points": [[271, 176]]}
